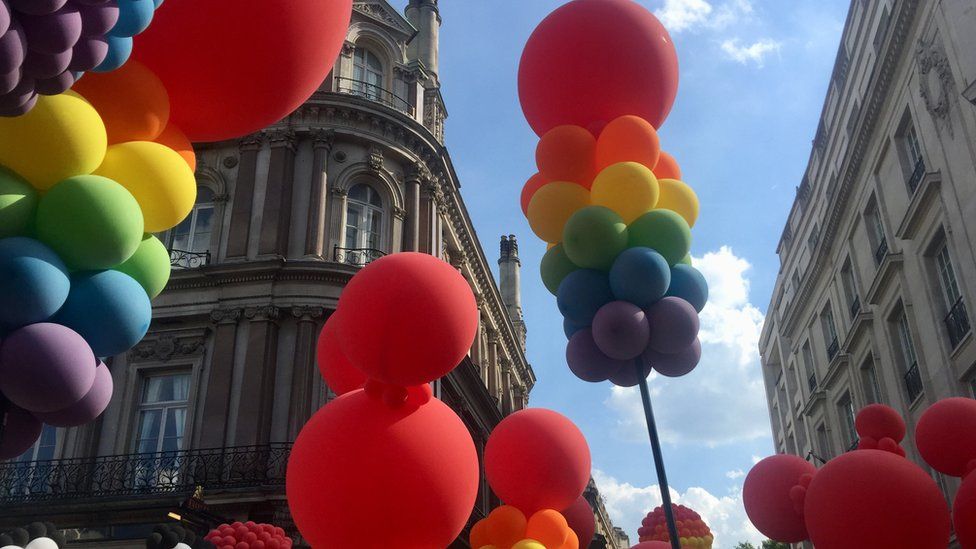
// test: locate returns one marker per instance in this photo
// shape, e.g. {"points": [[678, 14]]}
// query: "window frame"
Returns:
{"points": [[166, 406], [366, 207]]}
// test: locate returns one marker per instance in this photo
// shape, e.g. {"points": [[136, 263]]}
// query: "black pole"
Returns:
{"points": [[662, 476], [3, 415]]}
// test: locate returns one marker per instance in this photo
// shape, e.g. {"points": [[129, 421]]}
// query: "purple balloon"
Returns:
{"points": [[22, 96], [93, 2], [89, 407], [19, 110], [13, 48], [46, 367], [97, 20], [21, 432], [627, 377], [38, 7], [9, 81], [677, 364], [620, 330], [55, 32], [88, 53], [4, 17], [587, 362], [41, 66], [674, 325], [53, 86]]}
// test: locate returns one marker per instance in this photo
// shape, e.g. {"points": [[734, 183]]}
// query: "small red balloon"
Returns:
{"points": [[964, 512], [766, 495], [528, 191], [581, 520], [879, 421], [945, 435], [652, 545], [667, 167], [339, 374]]}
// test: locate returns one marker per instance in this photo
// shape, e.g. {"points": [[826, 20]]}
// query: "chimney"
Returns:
{"points": [[424, 15], [510, 283]]}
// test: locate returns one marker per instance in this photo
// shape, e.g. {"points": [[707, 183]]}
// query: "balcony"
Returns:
{"points": [[357, 257], [373, 93], [881, 251], [832, 349], [143, 475], [182, 259], [916, 177], [957, 322], [855, 307], [913, 383]]}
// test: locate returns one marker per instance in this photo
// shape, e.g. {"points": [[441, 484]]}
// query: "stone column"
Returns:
{"points": [[257, 387], [429, 197], [240, 217], [417, 175], [337, 219], [493, 364], [276, 220], [315, 237], [303, 374], [216, 406], [507, 393]]}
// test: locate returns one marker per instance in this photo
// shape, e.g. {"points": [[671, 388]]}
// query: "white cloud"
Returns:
{"points": [[755, 52], [680, 15], [723, 401], [738, 473], [724, 515]]}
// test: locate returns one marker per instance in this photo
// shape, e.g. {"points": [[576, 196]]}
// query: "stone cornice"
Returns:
{"points": [[243, 272]]}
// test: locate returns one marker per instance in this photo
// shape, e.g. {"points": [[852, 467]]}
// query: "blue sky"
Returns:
{"points": [[753, 77]]}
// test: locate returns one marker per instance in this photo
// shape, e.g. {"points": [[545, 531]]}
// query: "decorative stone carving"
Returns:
{"points": [[264, 313], [936, 82], [340, 156], [375, 159], [419, 172], [166, 346], [338, 192], [348, 48], [225, 316], [323, 139], [283, 138], [307, 312], [399, 213], [252, 142], [231, 162]]}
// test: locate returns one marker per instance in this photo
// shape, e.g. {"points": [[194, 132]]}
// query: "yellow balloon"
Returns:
{"points": [[628, 188], [528, 544], [552, 205], [551, 245], [62, 136], [157, 176], [679, 197]]}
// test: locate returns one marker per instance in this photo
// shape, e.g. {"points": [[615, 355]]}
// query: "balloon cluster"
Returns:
{"points": [[36, 535], [47, 45], [249, 535], [693, 532], [507, 528], [175, 536], [389, 459]]}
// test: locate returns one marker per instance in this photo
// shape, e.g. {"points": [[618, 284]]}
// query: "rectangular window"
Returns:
{"points": [[869, 379], [850, 289], [882, 31], [829, 331], [876, 233], [814, 237], [162, 413], [913, 150], [853, 118], [823, 443], [846, 410], [796, 280], [957, 317], [810, 366], [912, 376], [45, 447]]}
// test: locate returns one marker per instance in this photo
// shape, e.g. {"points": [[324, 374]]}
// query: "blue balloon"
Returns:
{"points": [[581, 294], [689, 284], [569, 328], [157, 3], [119, 50], [34, 282], [134, 17], [641, 276], [109, 309]]}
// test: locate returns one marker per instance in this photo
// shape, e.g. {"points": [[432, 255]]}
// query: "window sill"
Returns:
{"points": [[918, 205], [885, 274], [834, 368], [815, 398]]}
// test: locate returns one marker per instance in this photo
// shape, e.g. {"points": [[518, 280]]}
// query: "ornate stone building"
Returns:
{"points": [[874, 299]]}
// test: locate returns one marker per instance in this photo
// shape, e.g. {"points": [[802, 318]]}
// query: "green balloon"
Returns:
{"points": [[594, 236], [664, 231], [18, 200], [150, 266], [555, 266], [92, 222], [687, 260]]}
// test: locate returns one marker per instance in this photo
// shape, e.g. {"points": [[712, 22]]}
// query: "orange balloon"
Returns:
{"points": [[132, 102], [479, 534], [531, 186], [506, 526], [667, 167], [548, 527], [628, 139], [175, 139], [567, 153], [572, 541]]}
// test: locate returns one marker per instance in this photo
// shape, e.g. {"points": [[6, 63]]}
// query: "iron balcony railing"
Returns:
{"points": [[855, 307], [140, 475], [913, 382], [373, 92], [917, 174], [853, 444], [957, 322], [357, 257], [183, 259], [812, 382], [832, 349], [881, 251]]}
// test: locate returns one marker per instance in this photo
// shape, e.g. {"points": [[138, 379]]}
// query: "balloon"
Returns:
{"points": [[139, 114], [582, 521], [581, 294], [688, 284], [479, 534], [150, 265], [506, 526], [13, 48], [548, 527], [628, 188], [664, 231], [339, 374], [119, 50], [33, 282], [20, 432], [569, 328], [594, 236], [37, 7], [876, 495], [528, 544], [98, 19], [652, 545], [566, 77], [19, 101], [218, 97], [45, 367], [61, 137], [109, 309], [134, 17], [628, 139], [641, 276], [537, 459], [393, 347], [587, 361], [92, 222], [551, 207], [566, 153], [879, 421], [42, 543], [675, 364], [88, 53], [528, 191], [555, 266], [421, 458], [674, 325], [54, 86], [43, 65], [944, 435], [620, 330], [89, 407], [766, 495], [678, 197], [18, 200], [667, 167], [53, 32], [174, 138], [628, 377], [572, 541], [964, 512], [157, 177]]}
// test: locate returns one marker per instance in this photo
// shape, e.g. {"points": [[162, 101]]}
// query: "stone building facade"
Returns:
{"points": [[875, 296]]}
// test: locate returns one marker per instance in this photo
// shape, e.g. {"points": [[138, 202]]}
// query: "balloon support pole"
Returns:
{"points": [[662, 476], [3, 415]]}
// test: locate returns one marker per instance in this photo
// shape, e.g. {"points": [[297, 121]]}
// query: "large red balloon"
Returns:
{"points": [[403, 477], [652, 545], [537, 459], [964, 513], [766, 495], [877, 499], [235, 66], [407, 319], [581, 520], [339, 374], [592, 61], [945, 435], [879, 421]]}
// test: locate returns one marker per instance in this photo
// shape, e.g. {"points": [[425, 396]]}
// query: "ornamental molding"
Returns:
{"points": [[263, 313], [283, 138], [935, 81], [375, 158], [226, 316], [348, 48], [323, 139], [252, 142], [399, 213], [307, 313], [168, 346], [380, 12]]}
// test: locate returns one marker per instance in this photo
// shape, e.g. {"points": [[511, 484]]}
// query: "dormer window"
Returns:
{"points": [[368, 73]]}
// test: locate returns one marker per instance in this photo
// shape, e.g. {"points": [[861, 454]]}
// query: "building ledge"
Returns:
{"points": [[835, 367], [970, 93], [924, 196], [816, 398], [886, 271], [861, 322], [963, 358]]}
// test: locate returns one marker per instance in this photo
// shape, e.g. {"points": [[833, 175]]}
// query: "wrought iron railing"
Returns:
{"points": [[135, 475], [812, 382], [853, 444], [881, 251], [913, 382], [373, 92], [957, 322], [855, 306], [183, 259], [357, 257], [832, 349], [917, 174]]}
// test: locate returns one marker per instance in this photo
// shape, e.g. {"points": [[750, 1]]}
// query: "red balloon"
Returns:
{"points": [[581, 520], [652, 545], [667, 167], [964, 513], [878, 498], [407, 476], [567, 76], [407, 319], [340, 375], [263, 59], [945, 435], [766, 495], [528, 191], [537, 459], [879, 421]]}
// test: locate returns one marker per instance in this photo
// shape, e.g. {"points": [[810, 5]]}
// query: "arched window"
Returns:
{"points": [[368, 73], [364, 218], [190, 240]]}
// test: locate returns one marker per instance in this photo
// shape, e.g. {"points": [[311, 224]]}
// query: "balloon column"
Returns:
{"points": [[175, 536], [389, 459], [36, 535], [248, 535], [693, 532]]}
